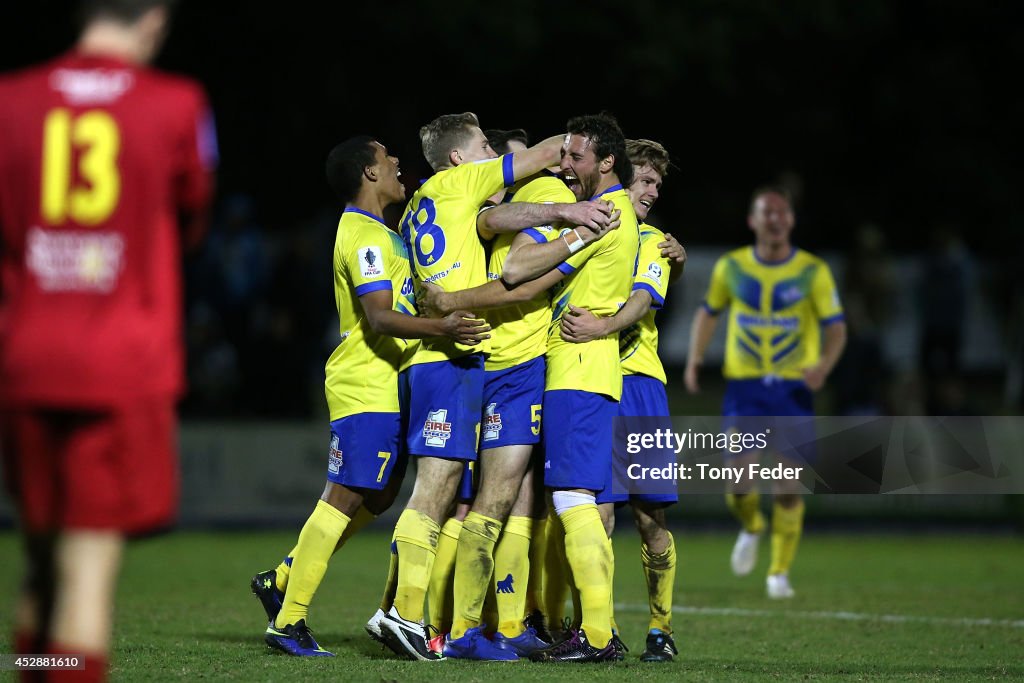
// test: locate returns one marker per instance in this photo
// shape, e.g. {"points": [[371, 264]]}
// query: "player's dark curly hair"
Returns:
{"points": [[498, 139], [345, 165], [126, 11], [608, 140], [443, 134]]}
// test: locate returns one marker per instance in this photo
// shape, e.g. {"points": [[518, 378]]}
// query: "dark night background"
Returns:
{"points": [[900, 114]]}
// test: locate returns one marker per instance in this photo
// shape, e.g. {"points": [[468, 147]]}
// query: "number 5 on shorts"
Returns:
{"points": [[535, 419], [386, 457]]}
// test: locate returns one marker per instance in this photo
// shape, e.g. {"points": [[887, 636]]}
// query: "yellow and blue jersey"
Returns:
{"points": [[519, 333], [776, 311], [638, 343], [362, 372], [602, 287], [439, 227]]}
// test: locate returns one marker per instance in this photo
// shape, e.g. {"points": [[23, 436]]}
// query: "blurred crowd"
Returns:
{"points": [[261, 322]]}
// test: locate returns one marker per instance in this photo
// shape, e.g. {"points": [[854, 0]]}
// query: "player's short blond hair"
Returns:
{"points": [[445, 133], [643, 152]]}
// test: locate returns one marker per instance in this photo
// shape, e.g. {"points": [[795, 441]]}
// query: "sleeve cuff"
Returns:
{"points": [[507, 171], [373, 287], [536, 235], [837, 318], [565, 268], [657, 300], [707, 307]]}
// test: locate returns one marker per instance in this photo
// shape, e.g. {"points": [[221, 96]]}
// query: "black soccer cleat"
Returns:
{"points": [[576, 649], [264, 587], [660, 648], [538, 623], [620, 647]]}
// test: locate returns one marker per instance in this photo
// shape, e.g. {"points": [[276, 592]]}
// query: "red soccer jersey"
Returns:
{"points": [[97, 159]]}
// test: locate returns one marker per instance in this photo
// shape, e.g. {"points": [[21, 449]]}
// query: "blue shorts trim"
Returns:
{"points": [[748, 401], [642, 396], [365, 450], [578, 440], [513, 400], [445, 404]]}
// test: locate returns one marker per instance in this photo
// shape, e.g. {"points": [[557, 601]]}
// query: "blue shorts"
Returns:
{"points": [[467, 485], [365, 450], [512, 405], [445, 400], [578, 440], [642, 396], [748, 401]]}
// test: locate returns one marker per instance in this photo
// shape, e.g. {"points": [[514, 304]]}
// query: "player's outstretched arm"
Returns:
{"points": [[460, 326], [435, 302], [703, 328], [516, 216], [534, 159], [579, 325], [676, 255]]}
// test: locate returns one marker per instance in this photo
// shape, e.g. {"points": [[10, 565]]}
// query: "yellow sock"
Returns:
{"points": [[359, 520], [660, 573], [439, 597], [538, 551], [284, 570], [512, 574], [474, 566], [416, 541], [590, 555], [391, 582], [747, 509], [787, 524], [555, 585], [611, 592], [316, 545]]}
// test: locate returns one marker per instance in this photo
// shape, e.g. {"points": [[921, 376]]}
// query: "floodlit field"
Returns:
{"points": [[867, 608]]}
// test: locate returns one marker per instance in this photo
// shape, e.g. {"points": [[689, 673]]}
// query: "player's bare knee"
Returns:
{"points": [[607, 511], [343, 499]]}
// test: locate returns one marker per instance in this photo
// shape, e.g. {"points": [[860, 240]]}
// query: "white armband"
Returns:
{"points": [[576, 244]]}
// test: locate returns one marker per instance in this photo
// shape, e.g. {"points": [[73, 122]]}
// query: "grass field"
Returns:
{"points": [[868, 608]]}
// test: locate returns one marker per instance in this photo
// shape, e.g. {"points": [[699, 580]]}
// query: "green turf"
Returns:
{"points": [[185, 613]]}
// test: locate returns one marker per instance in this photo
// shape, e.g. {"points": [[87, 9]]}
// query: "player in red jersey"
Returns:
{"points": [[99, 156]]}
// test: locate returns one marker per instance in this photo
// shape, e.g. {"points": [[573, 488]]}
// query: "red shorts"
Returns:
{"points": [[115, 469]]}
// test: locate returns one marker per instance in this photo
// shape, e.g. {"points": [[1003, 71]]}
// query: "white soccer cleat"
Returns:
{"points": [[779, 588], [373, 626], [744, 553]]}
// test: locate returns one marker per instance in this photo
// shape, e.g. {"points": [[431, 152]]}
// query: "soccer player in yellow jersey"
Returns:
{"points": [[445, 378], [514, 385], [786, 333], [643, 390], [374, 296], [584, 381]]}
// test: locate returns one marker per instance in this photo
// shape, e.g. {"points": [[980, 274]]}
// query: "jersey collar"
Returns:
{"points": [[375, 217], [771, 264], [613, 188]]}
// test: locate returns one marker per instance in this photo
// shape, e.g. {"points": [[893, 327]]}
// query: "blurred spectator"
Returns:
{"points": [[943, 296], [868, 290]]}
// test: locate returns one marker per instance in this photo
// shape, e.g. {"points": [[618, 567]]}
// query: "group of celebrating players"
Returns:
{"points": [[570, 278]]}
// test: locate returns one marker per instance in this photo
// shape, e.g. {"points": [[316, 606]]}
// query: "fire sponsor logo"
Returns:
{"points": [[334, 459], [492, 423], [437, 430]]}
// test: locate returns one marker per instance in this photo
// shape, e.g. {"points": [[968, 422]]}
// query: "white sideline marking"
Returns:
{"points": [[838, 616]]}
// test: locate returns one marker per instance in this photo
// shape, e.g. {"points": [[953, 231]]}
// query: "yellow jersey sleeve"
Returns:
{"points": [[825, 296], [718, 294], [638, 343]]}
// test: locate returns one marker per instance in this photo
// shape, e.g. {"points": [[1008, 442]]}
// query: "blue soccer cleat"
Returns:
{"points": [[294, 639], [525, 644], [474, 645]]}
